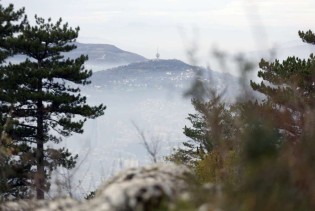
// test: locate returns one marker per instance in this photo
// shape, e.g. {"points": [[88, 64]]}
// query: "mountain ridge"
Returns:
{"points": [[163, 74], [94, 50], [101, 56]]}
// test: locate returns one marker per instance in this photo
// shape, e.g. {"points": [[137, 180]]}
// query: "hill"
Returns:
{"points": [[101, 56], [161, 74]]}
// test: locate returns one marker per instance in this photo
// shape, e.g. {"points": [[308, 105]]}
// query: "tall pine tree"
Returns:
{"points": [[44, 96], [13, 172]]}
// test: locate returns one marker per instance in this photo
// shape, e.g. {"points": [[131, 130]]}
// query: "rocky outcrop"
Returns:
{"points": [[134, 189]]}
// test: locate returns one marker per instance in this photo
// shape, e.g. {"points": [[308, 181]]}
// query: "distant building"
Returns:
{"points": [[157, 55]]}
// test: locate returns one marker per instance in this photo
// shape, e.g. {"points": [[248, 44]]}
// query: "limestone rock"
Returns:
{"points": [[134, 189]]}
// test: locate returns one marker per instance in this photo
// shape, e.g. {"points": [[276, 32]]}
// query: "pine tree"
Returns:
{"points": [[290, 89], [44, 94], [277, 158], [212, 123]]}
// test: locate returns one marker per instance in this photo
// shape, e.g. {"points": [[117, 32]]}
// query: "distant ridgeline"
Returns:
{"points": [[101, 56], [116, 69], [161, 74], [106, 55], [148, 74]]}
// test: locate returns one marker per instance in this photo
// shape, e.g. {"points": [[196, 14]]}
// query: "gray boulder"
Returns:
{"points": [[141, 188]]}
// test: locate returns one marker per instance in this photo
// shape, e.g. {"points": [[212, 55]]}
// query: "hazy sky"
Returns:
{"points": [[142, 26]]}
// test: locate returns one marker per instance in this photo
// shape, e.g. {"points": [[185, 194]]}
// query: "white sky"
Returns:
{"points": [[141, 26]]}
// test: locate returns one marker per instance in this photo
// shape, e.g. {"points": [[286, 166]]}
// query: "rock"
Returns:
{"points": [[141, 188]]}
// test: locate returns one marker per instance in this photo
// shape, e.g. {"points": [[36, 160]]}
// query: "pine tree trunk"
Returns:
{"points": [[40, 174]]}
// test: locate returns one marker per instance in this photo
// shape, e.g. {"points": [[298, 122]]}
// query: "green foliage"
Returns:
{"points": [[307, 37], [14, 172], [212, 124], [217, 166], [290, 89], [11, 22], [43, 94], [262, 152], [277, 149]]}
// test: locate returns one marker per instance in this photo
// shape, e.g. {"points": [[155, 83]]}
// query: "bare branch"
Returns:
{"points": [[152, 147]]}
